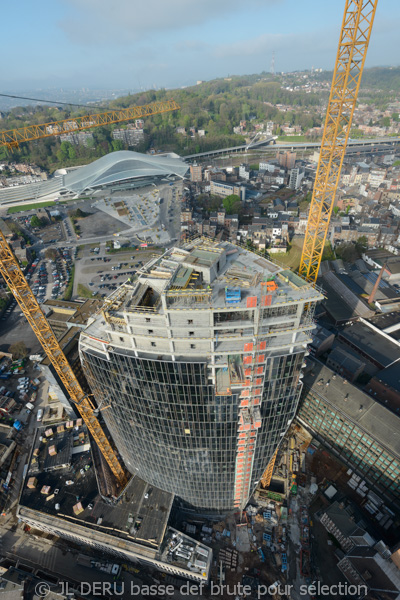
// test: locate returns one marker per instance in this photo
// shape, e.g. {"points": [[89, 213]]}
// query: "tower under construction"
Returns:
{"points": [[196, 363]]}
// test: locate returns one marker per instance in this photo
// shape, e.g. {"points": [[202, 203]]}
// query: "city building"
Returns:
{"points": [[295, 179], [359, 430], [370, 343], [385, 387], [223, 189], [199, 361], [131, 136], [339, 521], [287, 160], [322, 340], [84, 138], [244, 172], [67, 492], [196, 173], [345, 364], [374, 569]]}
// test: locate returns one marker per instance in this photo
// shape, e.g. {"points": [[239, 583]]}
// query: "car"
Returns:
{"points": [[56, 491], [39, 415], [90, 506]]}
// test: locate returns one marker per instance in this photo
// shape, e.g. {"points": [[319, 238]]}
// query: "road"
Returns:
{"points": [[361, 145]]}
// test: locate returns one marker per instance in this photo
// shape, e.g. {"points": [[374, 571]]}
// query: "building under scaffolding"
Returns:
{"points": [[198, 360]]}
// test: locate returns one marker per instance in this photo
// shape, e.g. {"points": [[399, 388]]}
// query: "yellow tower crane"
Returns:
{"points": [[352, 51], [353, 44], [13, 137]]}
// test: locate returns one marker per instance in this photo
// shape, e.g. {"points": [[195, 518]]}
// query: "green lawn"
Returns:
{"points": [[83, 291], [70, 286], [22, 208], [291, 259], [15, 209]]}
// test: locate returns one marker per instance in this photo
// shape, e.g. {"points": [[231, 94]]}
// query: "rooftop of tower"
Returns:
{"points": [[206, 273]]}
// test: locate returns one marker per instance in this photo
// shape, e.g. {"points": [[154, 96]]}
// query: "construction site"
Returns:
{"points": [[194, 366]]}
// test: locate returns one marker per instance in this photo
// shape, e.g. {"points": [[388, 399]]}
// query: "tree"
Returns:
{"points": [[18, 350], [117, 145], [347, 252], [36, 222], [232, 204], [71, 153], [362, 244]]}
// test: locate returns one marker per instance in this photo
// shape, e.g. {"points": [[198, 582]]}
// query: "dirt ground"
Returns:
{"points": [[99, 223], [15, 329]]}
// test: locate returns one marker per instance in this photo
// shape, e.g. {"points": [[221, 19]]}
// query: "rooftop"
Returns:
{"points": [[390, 376], [197, 276], [74, 313], [358, 407], [341, 517], [372, 342], [378, 573], [140, 516], [119, 166], [388, 322], [345, 360]]}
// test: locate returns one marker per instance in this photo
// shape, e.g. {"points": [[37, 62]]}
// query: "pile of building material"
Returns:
{"points": [[229, 558]]}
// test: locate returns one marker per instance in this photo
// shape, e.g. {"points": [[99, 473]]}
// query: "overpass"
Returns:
{"points": [[353, 147]]}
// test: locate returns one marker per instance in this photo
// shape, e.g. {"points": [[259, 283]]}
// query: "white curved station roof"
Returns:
{"points": [[120, 166]]}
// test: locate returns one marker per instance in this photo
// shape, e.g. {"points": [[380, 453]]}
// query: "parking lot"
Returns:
{"points": [[101, 272], [48, 278], [20, 383]]}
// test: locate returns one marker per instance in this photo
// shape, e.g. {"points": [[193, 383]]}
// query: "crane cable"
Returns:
{"points": [[49, 101]]}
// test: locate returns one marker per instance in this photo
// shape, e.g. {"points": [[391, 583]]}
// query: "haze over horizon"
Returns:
{"points": [[83, 43]]}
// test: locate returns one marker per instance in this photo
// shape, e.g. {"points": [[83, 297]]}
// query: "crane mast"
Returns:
{"points": [[21, 291], [352, 51], [353, 44], [13, 137]]}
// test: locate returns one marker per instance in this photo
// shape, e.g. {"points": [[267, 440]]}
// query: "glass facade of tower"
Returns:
{"points": [[176, 433]]}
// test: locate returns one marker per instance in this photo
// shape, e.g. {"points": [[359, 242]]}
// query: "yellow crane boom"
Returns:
{"points": [[267, 475], [18, 285], [353, 44], [13, 137]]}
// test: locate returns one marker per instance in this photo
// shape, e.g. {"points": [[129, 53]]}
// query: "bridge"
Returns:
{"points": [[353, 147]]}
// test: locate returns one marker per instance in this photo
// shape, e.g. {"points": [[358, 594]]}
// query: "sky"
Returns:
{"points": [[134, 44]]}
